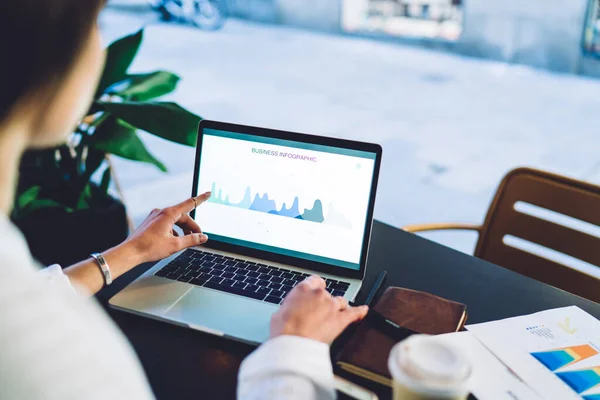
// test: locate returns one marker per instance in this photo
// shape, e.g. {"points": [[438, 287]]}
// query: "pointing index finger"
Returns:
{"points": [[188, 205]]}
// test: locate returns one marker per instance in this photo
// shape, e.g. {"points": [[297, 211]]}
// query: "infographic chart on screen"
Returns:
{"points": [[296, 199]]}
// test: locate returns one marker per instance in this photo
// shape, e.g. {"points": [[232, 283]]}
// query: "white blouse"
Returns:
{"points": [[56, 345]]}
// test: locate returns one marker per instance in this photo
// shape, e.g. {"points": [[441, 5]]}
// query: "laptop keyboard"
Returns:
{"points": [[238, 276]]}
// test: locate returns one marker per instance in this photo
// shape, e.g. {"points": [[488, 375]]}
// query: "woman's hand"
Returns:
{"points": [[156, 239], [310, 311]]}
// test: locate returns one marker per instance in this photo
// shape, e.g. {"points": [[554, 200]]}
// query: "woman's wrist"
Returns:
{"points": [[88, 274], [122, 258]]}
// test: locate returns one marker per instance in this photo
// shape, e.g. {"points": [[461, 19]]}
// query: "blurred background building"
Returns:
{"points": [[554, 34], [432, 19], [457, 92]]}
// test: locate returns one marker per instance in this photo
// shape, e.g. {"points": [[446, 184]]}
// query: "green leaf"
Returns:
{"points": [[28, 196], [86, 195], [28, 202], [164, 119], [40, 204], [119, 138], [105, 182], [143, 87], [119, 56]]}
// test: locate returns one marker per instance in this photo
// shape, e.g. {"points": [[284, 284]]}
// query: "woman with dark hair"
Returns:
{"points": [[54, 343]]}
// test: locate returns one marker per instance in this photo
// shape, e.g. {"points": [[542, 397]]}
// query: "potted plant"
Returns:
{"points": [[63, 205]]}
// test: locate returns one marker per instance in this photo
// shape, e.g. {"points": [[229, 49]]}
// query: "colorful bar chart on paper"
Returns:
{"points": [[263, 203], [558, 358], [581, 380]]}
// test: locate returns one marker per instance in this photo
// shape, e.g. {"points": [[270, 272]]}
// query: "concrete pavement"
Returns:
{"points": [[451, 127]]}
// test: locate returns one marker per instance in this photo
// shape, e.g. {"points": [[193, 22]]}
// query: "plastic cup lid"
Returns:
{"points": [[427, 364]]}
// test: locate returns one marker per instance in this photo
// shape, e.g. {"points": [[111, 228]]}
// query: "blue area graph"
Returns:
{"points": [[581, 380], [263, 203], [578, 380], [558, 358]]}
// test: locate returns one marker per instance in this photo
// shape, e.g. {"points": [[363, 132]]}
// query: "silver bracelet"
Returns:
{"points": [[103, 266]]}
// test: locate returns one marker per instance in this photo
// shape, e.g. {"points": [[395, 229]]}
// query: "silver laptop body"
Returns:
{"points": [[184, 297]]}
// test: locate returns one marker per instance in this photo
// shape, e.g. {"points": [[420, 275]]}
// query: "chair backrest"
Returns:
{"points": [[546, 227]]}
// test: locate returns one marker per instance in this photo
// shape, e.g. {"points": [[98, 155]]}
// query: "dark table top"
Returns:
{"points": [[185, 364]]}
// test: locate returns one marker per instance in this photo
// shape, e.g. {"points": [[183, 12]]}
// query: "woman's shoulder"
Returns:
{"points": [[40, 311], [15, 258]]}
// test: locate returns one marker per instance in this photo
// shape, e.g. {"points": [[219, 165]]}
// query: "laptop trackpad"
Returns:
{"points": [[221, 313]]}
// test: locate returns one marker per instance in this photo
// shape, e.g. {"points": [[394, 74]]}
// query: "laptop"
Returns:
{"points": [[284, 206]]}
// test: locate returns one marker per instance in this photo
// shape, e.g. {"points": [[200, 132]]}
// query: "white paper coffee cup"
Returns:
{"points": [[424, 368]]}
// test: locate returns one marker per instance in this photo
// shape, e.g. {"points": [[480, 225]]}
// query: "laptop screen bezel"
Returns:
{"points": [[304, 138]]}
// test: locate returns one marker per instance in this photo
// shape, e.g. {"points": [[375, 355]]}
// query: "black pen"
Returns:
{"points": [[376, 287]]}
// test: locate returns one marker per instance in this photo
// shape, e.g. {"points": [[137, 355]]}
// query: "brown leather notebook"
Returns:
{"points": [[366, 353]]}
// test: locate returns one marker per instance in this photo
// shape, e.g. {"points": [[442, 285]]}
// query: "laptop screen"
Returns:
{"points": [[296, 199]]}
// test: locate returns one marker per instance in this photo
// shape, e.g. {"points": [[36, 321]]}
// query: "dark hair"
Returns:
{"points": [[39, 42]]}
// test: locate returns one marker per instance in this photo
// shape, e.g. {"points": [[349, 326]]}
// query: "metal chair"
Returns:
{"points": [[538, 224]]}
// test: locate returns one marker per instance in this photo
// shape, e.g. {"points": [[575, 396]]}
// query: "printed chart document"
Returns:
{"points": [[490, 379], [555, 352]]}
